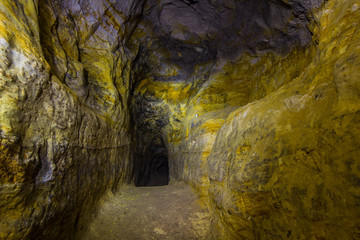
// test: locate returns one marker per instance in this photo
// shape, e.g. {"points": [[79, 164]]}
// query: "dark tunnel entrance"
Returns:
{"points": [[156, 173]]}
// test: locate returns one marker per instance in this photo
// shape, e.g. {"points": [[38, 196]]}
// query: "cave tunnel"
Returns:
{"points": [[156, 173], [244, 113]]}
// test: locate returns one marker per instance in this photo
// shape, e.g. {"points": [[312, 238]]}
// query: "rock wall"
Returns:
{"points": [[254, 103], [284, 165], [208, 54], [65, 141]]}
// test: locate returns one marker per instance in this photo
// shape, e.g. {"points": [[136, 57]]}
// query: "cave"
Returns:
{"points": [[179, 119], [156, 174]]}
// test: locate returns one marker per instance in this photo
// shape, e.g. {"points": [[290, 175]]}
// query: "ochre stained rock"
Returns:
{"points": [[285, 165], [255, 104], [64, 123]]}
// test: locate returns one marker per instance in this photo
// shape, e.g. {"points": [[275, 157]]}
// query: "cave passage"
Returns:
{"points": [[156, 173], [251, 107], [168, 212]]}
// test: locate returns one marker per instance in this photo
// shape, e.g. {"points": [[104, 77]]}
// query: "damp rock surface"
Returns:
{"points": [[140, 213]]}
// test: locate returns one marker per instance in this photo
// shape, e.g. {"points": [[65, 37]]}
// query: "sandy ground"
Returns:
{"points": [[143, 213]]}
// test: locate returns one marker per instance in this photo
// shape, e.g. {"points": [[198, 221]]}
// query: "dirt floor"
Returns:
{"points": [[143, 213]]}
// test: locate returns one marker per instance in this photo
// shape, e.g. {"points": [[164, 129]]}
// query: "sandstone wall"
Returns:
{"points": [[64, 118], [255, 104], [285, 165]]}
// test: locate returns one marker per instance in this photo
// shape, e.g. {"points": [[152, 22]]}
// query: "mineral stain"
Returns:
{"points": [[254, 104]]}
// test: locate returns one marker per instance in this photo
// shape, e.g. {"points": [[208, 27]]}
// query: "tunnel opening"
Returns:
{"points": [[156, 173], [149, 152]]}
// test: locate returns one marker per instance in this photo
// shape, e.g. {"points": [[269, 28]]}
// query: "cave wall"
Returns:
{"points": [[267, 134], [65, 141], [285, 164], [254, 103], [203, 56]]}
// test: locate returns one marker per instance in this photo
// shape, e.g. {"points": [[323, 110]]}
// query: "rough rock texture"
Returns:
{"points": [[254, 103], [268, 136], [64, 119], [286, 164], [187, 45]]}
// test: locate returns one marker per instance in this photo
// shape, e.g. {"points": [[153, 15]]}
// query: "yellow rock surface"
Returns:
{"points": [[284, 165], [91, 91]]}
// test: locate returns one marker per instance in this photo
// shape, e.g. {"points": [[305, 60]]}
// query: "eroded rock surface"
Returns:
{"points": [[253, 103], [214, 53], [64, 118], [285, 165]]}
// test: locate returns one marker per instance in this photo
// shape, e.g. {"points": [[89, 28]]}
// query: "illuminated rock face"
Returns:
{"points": [[65, 137], [202, 56], [254, 103]]}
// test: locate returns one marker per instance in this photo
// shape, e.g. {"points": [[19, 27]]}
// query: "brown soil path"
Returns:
{"points": [[143, 213]]}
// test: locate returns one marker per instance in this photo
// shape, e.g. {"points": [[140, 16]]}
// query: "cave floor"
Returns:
{"points": [[141, 213]]}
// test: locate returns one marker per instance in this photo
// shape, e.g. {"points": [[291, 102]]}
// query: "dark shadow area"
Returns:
{"points": [[156, 173]]}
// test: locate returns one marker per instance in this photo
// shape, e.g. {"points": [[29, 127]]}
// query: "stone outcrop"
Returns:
{"points": [[253, 103]]}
